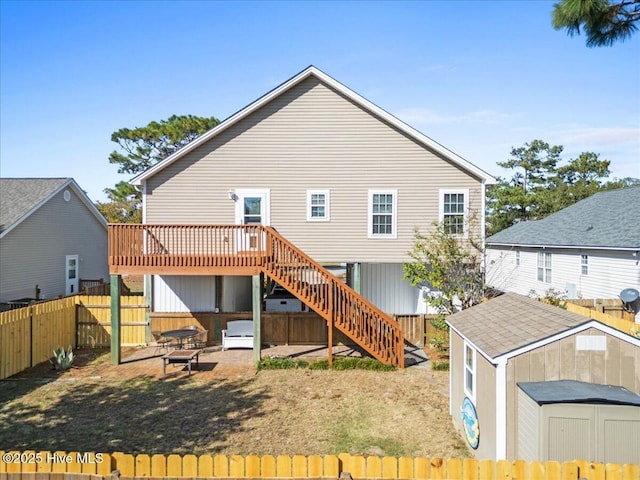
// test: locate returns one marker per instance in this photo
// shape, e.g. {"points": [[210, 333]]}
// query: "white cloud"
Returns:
{"points": [[601, 136]]}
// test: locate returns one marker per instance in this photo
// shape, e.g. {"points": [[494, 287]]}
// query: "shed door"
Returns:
{"points": [[71, 275], [569, 432]]}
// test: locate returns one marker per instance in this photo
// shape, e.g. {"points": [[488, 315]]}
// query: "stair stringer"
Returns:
{"points": [[336, 302]]}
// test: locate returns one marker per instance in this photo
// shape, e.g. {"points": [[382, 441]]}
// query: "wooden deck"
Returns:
{"points": [[250, 250]]}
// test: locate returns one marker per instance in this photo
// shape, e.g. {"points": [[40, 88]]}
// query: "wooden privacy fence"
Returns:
{"points": [[610, 306], [618, 323], [29, 335], [300, 467]]}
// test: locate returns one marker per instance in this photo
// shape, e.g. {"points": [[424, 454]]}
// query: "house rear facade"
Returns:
{"points": [[337, 176]]}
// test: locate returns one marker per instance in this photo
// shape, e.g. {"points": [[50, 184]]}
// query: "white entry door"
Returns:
{"points": [[71, 274], [252, 207]]}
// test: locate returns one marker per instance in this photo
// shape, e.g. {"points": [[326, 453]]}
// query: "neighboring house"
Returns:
{"points": [[588, 250], [337, 176], [51, 236], [535, 382]]}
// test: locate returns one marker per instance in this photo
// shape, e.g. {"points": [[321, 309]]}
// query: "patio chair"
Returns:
{"points": [[161, 342], [200, 339]]}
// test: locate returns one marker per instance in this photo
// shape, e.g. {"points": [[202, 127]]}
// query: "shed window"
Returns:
{"points": [[470, 371], [517, 258]]}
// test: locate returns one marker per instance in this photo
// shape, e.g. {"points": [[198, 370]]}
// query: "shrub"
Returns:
{"points": [[350, 363], [360, 363], [442, 365], [277, 363]]}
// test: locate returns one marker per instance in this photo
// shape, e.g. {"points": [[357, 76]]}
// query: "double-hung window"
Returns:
{"points": [[454, 207], [517, 258], [544, 267], [318, 205], [584, 264], [470, 371], [383, 213]]}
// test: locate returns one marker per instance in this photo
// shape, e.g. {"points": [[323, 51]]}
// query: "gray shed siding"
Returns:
{"points": [[311, 137], [34, 251], [485, 396], [618, 365]]}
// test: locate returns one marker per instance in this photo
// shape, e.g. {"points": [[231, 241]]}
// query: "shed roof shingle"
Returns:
{"points": [[511, 321], [608, 219]]}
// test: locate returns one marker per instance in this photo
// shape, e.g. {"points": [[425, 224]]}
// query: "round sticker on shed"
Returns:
{"points": [[470, 422]]}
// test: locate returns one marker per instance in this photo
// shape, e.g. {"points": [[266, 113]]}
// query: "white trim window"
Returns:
{"points": [[454, 211], [517, 258], [318, 202], [470, 372], [584, 264], [544, 267], [382, 216]]}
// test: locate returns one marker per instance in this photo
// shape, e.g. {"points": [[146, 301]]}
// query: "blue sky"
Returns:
{"points": [[479, 77]]}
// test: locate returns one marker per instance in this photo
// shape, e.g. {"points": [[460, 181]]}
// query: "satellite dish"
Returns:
{"points": [[630, 300]]}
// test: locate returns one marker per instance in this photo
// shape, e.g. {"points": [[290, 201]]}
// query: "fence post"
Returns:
{"points": [[115, 319], [31, 335]]}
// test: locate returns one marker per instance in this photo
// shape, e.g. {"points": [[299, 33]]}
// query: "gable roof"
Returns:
{"points": [[607, 220], [512, 324], [20, 197], [312, 71]]}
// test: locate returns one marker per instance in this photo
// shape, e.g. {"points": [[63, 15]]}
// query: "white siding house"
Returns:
{"points": [[340, 178], [51, 236], [588, 250]]}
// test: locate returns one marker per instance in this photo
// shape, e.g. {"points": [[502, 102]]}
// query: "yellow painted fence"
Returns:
{"points": [[29, 335], [303, 467], [621, 324]]}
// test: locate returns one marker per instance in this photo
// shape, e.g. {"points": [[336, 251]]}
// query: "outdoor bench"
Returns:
{"points": [[238, 334]]}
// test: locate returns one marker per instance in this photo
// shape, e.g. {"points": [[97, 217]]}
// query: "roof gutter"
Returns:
{"points": [[571, 247]]}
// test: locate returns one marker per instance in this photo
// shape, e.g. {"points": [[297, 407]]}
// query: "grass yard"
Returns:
{"points": [[273, 412]]}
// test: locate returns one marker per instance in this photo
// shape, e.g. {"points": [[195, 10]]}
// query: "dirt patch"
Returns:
{"points": [[272, 412]]}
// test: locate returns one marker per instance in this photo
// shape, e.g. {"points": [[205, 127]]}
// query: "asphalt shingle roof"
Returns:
{"points": [[512, 321], [19, 195], [607, 219]]}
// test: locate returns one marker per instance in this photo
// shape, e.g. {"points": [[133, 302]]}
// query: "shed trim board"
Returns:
{"points": [[501, 406], [373, 109], [589, 323], [71, 183]]}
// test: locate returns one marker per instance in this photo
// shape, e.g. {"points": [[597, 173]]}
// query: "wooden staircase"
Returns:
{"points": [[335, 301], [249, 250]]}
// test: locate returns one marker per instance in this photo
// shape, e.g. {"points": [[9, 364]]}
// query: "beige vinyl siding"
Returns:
{"points": [[34, 251], [311, 137], [618, 365]]}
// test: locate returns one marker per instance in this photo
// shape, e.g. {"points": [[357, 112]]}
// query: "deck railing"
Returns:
{"points": [[216, 249], [136, 248]]}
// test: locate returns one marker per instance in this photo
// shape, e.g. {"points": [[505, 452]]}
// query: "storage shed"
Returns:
{"points": [[533, 381], [552, 415]]}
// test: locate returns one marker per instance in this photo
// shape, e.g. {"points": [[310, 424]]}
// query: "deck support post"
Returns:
{"points": [[257, 306], [148, 280], [353, 276], [115, 319]]}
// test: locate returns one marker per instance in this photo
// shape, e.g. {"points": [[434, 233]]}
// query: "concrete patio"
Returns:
{"points": [[215, 363]]}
